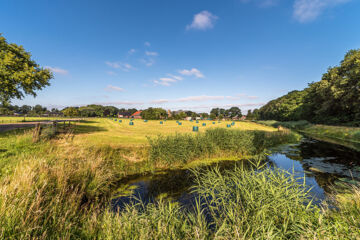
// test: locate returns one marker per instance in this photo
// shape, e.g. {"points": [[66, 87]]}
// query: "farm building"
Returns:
{"points": [[124, 115], [136, 115]]}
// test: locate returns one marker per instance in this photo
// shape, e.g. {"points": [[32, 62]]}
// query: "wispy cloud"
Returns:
{"points": [[147, 44], [132, 51], [309, 10], [154, 54], [111, 73], [148, 61], [175, 77], [111, 88], [126, 103], [192, 72], [165, 81], [202, 21], [126, 67], [159, 101], [200, 98], [57, 70]]}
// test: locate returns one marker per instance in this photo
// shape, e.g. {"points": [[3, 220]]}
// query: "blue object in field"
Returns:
{"points": [[161, 122], [197, 121], [213, 122], [179, 123], [204, 124], [131, 123], [145, 120], [233, 123], [228, 125], [120, 121], [115, 119], [195, 128]]}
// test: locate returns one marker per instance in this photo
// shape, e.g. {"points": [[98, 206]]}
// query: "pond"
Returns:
{"points": [[324, 165]]}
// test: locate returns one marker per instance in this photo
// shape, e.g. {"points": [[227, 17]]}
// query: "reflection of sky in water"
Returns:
{"points": [[295, 167], [322, 163]]}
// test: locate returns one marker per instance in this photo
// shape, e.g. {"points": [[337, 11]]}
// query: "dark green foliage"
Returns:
{"points": [[154, 114], [182, 148], [335, 99], [19, 74]]}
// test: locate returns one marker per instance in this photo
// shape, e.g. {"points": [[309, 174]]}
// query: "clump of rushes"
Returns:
{"points": [[49, 199], [240, 203], [182, 148]]}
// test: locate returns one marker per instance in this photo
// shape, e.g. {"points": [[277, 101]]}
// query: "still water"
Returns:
{"points": [[325, 165]]}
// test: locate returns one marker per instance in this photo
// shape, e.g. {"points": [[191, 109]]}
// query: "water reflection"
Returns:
{"points": [[324, 165]]}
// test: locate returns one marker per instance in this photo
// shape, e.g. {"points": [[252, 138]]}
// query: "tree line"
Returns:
{"points": [[334, 99]]}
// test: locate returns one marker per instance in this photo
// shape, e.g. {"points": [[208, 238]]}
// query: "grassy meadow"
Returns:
{"points": [[343, 135], [61, 186]]}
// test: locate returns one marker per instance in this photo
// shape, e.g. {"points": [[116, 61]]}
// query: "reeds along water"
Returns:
{"points": [[182, 148]]}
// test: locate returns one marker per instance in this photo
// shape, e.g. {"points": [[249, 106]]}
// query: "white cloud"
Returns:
{"points": [[159, 101], [126, 67], [111, 88], [147, 44], [148, 61], [151, 53], [175, 77], [165, 81], [309, 10], [200, 98], [202, 21], [192, 72], [131, 51], [242, 95], [57, 70], [128, 103]]}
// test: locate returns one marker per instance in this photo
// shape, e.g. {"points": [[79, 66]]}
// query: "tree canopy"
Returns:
{"points": [[19, 74], [335, 99]]}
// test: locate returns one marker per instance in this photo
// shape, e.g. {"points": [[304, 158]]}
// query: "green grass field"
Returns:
{"points": [[100, 131], [4, 120]]}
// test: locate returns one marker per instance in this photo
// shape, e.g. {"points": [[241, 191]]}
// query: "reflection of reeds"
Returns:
{"points": [[239, 203]]}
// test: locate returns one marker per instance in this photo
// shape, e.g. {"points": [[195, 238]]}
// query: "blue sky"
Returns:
{"points": [[180, 54]]}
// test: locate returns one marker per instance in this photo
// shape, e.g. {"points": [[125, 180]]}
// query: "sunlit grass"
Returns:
{"points": [[113, 133]]}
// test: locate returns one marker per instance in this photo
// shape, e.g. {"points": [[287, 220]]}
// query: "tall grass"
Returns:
{"points": [[182, 148]]}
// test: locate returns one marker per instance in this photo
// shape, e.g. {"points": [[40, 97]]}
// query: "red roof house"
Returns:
{"points": [[136, 115]]}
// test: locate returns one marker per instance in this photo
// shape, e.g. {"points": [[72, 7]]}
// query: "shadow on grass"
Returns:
{"points": [[81, 129]]}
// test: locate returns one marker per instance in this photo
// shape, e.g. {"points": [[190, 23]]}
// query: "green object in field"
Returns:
{"points": [[120, 121], [131, 123], [195, 128], [228, 125], [204, 124], [161, 122]]}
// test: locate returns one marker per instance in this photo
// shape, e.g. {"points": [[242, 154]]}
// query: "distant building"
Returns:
{"points": [[243, 118], [188, 118], [124, 115], [136, 115]]}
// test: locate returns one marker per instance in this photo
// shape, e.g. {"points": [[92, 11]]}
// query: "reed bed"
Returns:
{"points": [[183, 148]]}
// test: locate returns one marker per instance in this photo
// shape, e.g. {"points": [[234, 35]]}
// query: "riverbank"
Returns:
{"points": [[346, 136]]}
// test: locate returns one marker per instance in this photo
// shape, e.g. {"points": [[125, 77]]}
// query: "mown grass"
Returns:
{"points": [[27, 119], [101, 131]]}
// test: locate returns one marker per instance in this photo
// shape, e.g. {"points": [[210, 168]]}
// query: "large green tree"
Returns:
{"points": [[19, 74]]}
